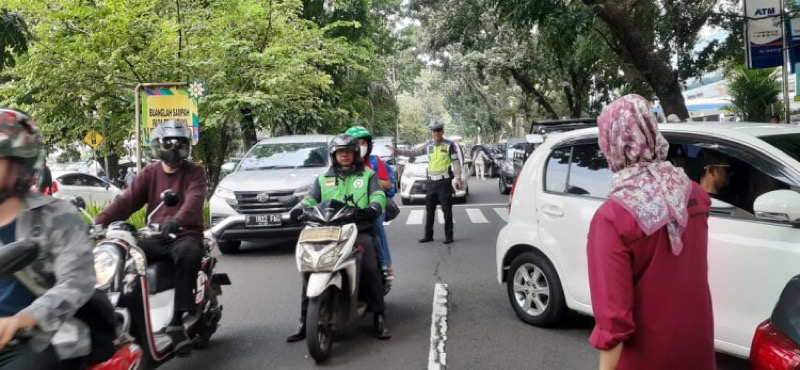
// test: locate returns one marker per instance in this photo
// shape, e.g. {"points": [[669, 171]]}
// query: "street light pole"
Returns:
{"points": [[785, 67]]}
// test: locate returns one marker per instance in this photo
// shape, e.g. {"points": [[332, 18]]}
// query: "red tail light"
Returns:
{"points": [[54, 188], [772, 350], [511, 194]]}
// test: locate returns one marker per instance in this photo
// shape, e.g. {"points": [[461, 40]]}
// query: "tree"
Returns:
{"points": [[656, 39], [752, 92], [14, 35]]}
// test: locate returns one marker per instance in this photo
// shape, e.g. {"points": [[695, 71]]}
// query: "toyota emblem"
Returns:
{"points": [[262, 198]]}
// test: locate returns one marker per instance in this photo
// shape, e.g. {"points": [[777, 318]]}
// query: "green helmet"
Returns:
{"points": [[359, 132]]}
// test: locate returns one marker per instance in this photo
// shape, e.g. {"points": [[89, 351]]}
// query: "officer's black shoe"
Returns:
{"points": [[426, 240], [298, 335], [381, 329], [448, 240]]}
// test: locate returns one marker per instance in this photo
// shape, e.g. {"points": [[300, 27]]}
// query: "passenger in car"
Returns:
{"points": [[715, 179], [647, 252]]}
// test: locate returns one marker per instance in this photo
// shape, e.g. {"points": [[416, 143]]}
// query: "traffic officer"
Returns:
{"points": [[443, 167]]}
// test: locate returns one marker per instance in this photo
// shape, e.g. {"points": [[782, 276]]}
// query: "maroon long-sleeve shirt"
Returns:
{"points": [[643, 295], [189, 182]]}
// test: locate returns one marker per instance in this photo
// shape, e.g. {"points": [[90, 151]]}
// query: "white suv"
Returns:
{"points": [[754, 230]]}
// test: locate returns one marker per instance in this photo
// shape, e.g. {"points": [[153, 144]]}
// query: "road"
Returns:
{"points": [[261, 307]]}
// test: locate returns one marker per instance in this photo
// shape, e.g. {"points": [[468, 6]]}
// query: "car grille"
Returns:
{"points": [[418, 188], [247, 202]]}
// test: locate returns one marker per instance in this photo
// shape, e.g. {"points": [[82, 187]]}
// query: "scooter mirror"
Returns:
{"points": [[170, 198], [16, 256], [79, 202]]}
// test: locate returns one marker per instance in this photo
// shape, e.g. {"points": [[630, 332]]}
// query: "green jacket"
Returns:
{"points": [[362, 186]]}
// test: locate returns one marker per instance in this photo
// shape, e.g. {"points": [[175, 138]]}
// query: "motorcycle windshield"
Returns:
{"points": [[334, 211]]}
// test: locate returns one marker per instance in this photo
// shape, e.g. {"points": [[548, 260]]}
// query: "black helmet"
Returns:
{"points": [[20, 142], [171, 142], [343, 141]]}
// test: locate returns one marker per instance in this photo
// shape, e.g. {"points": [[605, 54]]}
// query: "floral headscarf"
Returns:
{"points": [[654, 191]]}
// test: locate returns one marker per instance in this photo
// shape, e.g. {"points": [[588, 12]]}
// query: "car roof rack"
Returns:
{"points": [[558, 125]]}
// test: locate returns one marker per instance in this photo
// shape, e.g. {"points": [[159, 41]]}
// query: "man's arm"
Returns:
{"points": [[73, 268], [132, 200], [416, 151], [456, 164], [194, 195], [314, 195], [376, 194]]}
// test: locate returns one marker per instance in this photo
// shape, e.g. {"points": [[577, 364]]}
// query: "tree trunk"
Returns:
{"points": [[657, 72], [527, 86], [248, 126]]}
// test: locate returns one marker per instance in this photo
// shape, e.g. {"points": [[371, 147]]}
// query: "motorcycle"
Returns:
{"points": [[127, 354], [328, 253], [145, 292]]}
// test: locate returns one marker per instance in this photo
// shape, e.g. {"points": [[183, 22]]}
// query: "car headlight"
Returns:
{"points": [[302, 191], [106, 260], [508, 167], [226, 194]]}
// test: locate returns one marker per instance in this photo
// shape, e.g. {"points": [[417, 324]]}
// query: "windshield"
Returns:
{"points": [[787, 143], [285, 155], [421, 159]]}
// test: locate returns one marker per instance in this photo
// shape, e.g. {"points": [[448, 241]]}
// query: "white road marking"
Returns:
{"points": [[437, 357], [415, 217], [460, 205], [503, 213], [440, 217], [476, 216]]}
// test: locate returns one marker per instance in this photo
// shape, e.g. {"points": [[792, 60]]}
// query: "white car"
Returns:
{"points": [[92, 189], [754, 235], [415, 178]]}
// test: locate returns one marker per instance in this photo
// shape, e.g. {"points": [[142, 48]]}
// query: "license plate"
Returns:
{"points": [[273, 219]]}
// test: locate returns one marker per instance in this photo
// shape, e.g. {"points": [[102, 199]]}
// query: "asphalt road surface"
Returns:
{"points": [[262, 306]]}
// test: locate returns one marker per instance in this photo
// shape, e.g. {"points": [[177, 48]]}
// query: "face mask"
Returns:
{"points": [[364, 149]]}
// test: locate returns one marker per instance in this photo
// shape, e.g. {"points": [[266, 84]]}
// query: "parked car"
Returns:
{"points": [[517, 152], [754, 232], [249, 200], [415, 179], [69, 184], [776, 344]]}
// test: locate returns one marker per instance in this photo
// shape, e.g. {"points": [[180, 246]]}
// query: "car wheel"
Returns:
{"points": [[503, 188], [229, 246], [534, 290], [405, 201]]}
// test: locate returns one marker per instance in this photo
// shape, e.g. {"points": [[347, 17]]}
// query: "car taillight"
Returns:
{"points": [[773, 350], [511, 194], [54, 188]]}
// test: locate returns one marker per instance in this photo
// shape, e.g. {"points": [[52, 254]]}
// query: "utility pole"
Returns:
{"points": [[785, 67]]}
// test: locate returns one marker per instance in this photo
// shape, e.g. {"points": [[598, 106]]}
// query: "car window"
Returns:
{"points": [[81, 180], [787, 143], [379, 148], [589, 174], [285, 155], [746, 176], [555, 177]]}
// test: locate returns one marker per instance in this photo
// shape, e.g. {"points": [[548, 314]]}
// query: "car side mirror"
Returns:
{"points": [[170, 198], [228, 167], [778, 205], [16, 256], [79, 202]]}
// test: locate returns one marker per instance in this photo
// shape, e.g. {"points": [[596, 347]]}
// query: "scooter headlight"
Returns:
{"points": [[328, 260], [106, 261]]}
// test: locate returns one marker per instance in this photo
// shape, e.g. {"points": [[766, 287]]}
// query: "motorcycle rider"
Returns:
{"points": [[171, 143], [64, 276], [373, 162], [348, 181]]}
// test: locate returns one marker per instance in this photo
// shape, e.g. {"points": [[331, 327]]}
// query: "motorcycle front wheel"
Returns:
{"points": [[320, 326]]}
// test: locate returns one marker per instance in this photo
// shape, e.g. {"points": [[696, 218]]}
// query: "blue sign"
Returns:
{"points": [[764, 36]]}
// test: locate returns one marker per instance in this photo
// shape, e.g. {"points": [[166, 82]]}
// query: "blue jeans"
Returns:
{"points": [[381, 243]]}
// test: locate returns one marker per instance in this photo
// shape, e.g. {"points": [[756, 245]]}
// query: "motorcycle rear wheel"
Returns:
{"points": [[320, 326]]}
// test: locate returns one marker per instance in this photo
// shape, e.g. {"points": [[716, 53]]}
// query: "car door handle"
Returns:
{"points": [[552, 211]]}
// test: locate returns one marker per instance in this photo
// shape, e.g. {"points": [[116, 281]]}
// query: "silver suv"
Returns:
{"points": [[248, 203]]}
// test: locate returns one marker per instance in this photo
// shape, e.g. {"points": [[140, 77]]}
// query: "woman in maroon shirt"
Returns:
{"points": [[647, 252]]}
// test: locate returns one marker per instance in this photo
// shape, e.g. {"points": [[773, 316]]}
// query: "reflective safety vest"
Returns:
{"points": [[439, 159]]}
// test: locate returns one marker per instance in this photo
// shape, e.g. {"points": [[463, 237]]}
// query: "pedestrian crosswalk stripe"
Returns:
{"points": [[415, 217], [476, 216], [503, 213], [440, 217]]}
